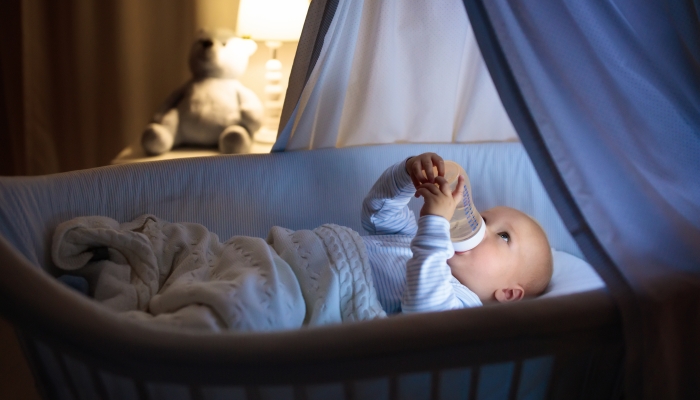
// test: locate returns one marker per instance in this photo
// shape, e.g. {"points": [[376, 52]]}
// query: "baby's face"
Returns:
{"points": [[497, 263]]}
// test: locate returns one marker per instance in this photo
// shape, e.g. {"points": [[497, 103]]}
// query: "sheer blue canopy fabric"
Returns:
{"points": [[605, 96]]}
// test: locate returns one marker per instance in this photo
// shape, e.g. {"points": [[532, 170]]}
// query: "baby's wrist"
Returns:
{"points": [[424, 212], [402, 177], [405, 164]]}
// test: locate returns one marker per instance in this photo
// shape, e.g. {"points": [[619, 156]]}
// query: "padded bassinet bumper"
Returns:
{"points": [[557, 347]]}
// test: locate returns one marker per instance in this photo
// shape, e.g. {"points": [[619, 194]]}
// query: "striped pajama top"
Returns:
{"points": [[409, 259]]}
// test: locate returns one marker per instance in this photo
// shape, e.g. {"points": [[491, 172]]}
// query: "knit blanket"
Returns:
{"points": [[181, 275]]}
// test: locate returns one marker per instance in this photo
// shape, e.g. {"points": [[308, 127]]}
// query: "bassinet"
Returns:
{"points": [[559, 347]]}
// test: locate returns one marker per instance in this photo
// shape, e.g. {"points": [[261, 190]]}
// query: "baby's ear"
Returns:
{"points": [[506, 295]]}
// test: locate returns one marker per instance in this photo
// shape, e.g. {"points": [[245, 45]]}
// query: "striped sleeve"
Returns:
{"points": [[385, 208], [430, 285]]}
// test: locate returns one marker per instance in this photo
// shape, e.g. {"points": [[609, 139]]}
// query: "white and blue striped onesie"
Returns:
{"points": [[409, 260]]}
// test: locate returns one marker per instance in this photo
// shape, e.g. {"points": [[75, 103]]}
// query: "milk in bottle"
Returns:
{"points": [[467, 228]]}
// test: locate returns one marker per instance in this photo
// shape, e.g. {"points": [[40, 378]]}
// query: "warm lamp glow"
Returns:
{"points": [[272, 20]]}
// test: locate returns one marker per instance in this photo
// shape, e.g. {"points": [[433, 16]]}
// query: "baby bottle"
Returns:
{"points": [[467, 228]]}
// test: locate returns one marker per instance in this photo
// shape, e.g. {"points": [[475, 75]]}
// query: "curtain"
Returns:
{"points": [[605, 96], [12, 153], [395, 72], [81, 78]]}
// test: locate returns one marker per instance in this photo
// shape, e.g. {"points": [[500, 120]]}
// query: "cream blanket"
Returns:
{"points": [[180, 274]]}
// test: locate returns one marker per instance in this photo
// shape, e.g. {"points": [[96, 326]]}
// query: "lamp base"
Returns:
{"points": [[273, 101]]}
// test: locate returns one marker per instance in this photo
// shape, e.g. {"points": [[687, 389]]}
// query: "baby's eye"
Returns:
{"points": [[505, 236]]}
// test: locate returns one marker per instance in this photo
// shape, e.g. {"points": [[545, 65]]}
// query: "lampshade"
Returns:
{"points": [[271, 20]]}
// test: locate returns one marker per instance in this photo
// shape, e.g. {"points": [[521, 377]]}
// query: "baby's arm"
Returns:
{"points": [[429, 282], [429, 285], [385, 208]]}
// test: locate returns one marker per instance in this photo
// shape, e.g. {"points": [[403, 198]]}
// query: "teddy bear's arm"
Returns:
{"points": [[251, 109], [170, 102]]}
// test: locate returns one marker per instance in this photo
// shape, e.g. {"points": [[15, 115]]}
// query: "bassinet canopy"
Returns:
{"points": [[605, 97]]}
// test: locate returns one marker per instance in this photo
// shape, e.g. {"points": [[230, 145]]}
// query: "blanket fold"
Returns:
{"points": [[180, 274]]}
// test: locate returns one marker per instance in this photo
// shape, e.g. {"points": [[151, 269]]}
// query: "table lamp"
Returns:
{"points": [[274, 22]]}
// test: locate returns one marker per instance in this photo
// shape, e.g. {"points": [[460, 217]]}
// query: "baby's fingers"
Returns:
{"points": [[458, 193], [427, 165], [416, 182], [416, 170], [428, 189], [438, 163], [423, 192], [443, 185]]}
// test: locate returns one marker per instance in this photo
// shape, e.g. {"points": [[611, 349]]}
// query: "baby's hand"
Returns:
{"points": [[420, 168], [439, 200]]}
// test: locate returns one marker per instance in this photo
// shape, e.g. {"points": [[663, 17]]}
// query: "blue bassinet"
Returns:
{"points": [[544, 348]]}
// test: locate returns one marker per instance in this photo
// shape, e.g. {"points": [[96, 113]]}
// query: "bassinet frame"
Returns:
{"points": [[581, 331]]}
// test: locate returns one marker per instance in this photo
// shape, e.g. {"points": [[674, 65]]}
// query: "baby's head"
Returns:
{"points": [[513, 261]]}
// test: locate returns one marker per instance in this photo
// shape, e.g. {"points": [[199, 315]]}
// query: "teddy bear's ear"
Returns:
{"points": [[201, 33], [249, 45]]}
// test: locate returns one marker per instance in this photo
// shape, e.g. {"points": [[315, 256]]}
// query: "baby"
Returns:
{"points": [[415, 267], [180, 274]]}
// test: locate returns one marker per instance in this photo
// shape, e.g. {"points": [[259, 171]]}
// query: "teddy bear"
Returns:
{"points": [[213, 108]]}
